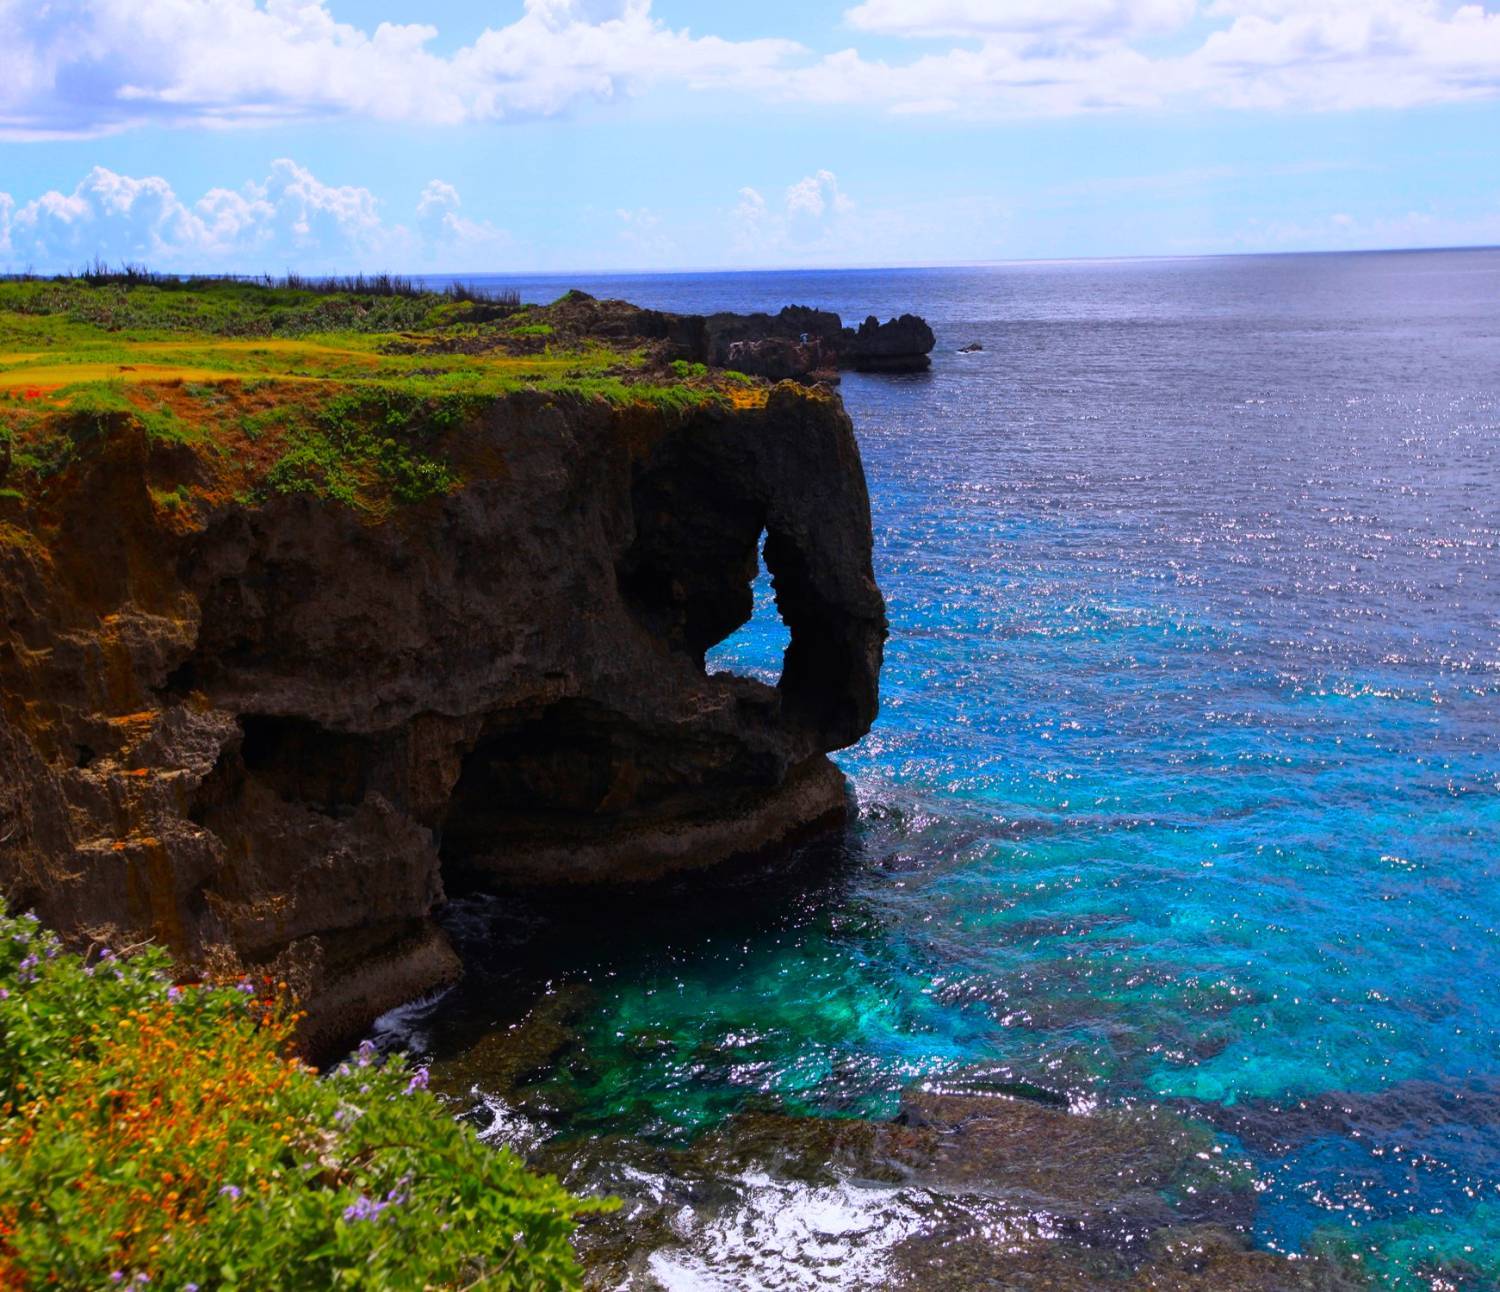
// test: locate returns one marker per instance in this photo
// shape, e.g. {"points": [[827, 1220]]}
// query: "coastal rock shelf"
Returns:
{"points": [[273, 720]]}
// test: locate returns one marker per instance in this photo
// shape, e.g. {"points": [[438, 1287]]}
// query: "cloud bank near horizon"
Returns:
{"points": [[73, 68], [292, 218], [289, 217]]}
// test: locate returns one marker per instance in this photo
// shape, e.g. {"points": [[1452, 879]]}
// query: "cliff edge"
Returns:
{"points": [[278, 653]]}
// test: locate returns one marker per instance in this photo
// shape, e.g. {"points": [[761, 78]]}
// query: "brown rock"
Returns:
{"points": [[279, 727]]}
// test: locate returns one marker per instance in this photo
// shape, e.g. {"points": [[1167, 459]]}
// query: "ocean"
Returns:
{"points": [[1186, 784]]}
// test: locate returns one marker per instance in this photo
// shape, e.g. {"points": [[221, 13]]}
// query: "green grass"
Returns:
{"points": [[221, 308], [346, 397]]}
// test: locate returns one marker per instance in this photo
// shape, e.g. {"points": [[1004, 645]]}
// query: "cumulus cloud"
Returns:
{"points": [[94, 66], [1085, 55], [444, 228], [85, 66], [816, 196], [809, 217], [289, 216]]}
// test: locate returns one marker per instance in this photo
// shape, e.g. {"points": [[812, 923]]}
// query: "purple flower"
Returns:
{"points": [[4, 995], [363, 1208], [189, 1287], [232, 1190], [418, 1080], [117, 1276], [246, 986], [174, 993], [366, 1054], [106, 954]]}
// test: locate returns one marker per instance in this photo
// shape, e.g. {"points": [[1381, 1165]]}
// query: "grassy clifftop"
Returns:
{"points": [[345, 394]]}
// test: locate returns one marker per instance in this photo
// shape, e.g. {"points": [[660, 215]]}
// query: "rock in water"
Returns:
{"points": [[902, 345], [279, 725]]}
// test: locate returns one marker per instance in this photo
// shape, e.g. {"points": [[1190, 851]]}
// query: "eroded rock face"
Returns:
{"points": [[279, 728]]}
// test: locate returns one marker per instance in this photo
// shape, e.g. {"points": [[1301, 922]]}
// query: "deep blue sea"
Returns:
{"points": [[1186, 784]]}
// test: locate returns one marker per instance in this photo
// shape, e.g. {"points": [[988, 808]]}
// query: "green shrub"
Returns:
{"points": [[687, 370], [159, 1135], [373, 440]]}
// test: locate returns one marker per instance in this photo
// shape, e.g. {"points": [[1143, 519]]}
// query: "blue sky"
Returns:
{"points": [[555, 135]]}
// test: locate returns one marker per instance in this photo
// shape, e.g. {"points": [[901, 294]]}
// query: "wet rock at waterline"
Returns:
{"points": [[961, 1192]]}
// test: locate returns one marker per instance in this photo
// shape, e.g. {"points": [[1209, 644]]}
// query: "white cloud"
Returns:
{"points": [[70, 67], [811, 217], [95, 65], [1339, 54], [289, 217], [1081, 56], [451, 238], [816, 196], [1342, 231], [1027, 19]]}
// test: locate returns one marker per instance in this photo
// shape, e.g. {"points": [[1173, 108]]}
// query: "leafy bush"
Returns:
{"points": [[372, 441], [159, 1135]]}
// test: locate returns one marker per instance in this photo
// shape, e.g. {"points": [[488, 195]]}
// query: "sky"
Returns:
{"points": [[536, 136]]}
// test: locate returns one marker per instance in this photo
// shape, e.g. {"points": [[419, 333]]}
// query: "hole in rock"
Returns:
{"points": [[757, 648], [305, 763]]}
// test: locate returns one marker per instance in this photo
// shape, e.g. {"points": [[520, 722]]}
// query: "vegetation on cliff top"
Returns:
{"points": [[162, 1136], [345, 391]]}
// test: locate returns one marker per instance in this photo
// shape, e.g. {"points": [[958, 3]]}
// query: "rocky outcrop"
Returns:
{"points": [[798, 344], [780, 358], [276, 727], [901, 345]]}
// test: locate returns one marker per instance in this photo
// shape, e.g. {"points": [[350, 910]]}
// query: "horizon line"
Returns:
{"points": [[657, 271], [460, 276]]}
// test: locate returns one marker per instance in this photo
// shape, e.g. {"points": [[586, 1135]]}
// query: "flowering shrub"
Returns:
{"points": [[162, 1136]]}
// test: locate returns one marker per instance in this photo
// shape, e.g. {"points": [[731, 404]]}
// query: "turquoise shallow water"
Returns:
{"points": [[1187, 780]]}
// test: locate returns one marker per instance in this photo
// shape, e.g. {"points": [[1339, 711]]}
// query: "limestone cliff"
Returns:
{"points": [[275, 723]]}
